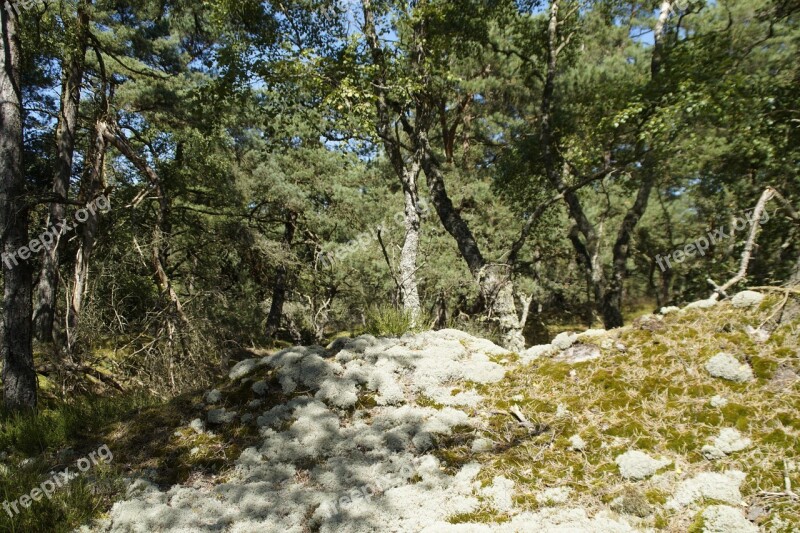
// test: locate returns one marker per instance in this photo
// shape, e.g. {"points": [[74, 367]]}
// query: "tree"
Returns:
{"points": [[72, 69], [19, 376]]}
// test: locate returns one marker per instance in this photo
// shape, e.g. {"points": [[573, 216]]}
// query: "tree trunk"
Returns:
{"points": [[612, 298], [408, 254], [94, 184], [608, 295], [406, 172], [19, 376], [494, 280], [281, 278], [72, 78]]}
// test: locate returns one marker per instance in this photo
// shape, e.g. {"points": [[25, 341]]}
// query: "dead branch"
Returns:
{"points": [[766, 196]]}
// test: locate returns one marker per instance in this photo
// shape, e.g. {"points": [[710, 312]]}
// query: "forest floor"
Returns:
{"points": [[687, 421]]}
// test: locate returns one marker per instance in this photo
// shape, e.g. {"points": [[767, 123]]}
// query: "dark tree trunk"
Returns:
{"points": [[19, 375], [608, 294], [44, 316], [279, 288]]}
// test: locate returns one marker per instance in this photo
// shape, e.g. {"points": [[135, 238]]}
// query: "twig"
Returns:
{"points": [[717, 288], [778, 309], [514, 410], [787, 484]]}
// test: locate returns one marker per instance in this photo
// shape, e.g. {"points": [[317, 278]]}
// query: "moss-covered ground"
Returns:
{"points": [[650, 392]]}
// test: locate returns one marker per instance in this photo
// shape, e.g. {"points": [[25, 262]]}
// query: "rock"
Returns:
{"points": [[260, 388], [712, 453], [638, 465], [726, 366], [650, 323], [577, 443], [338, 344], [711, 486], [221, 416], [244, 368], [668, 310], [726, 519], [565, 340], [747, 299], [756, 513], [212, 397], [784, 378], [579, 353], [702, 304], [718, 401]]}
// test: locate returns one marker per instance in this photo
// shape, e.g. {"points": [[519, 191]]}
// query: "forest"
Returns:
{"points": [[186, 183]]}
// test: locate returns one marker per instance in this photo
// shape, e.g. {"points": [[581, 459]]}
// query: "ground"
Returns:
{"points": [[626, 430]]}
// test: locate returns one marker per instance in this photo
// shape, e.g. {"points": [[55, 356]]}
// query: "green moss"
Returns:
{"points": [[788, 419], [557, 371], [784, 353], [781, 439], [480, 517], [655, 496], [698, 525], [425, 401], [737, 415], [661, 521], [763, 368], [680, 442]]}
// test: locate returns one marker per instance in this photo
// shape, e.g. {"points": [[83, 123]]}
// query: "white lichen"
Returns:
{"points": [[726, 366], [637, 465], [747, 299], [726, 519]]}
